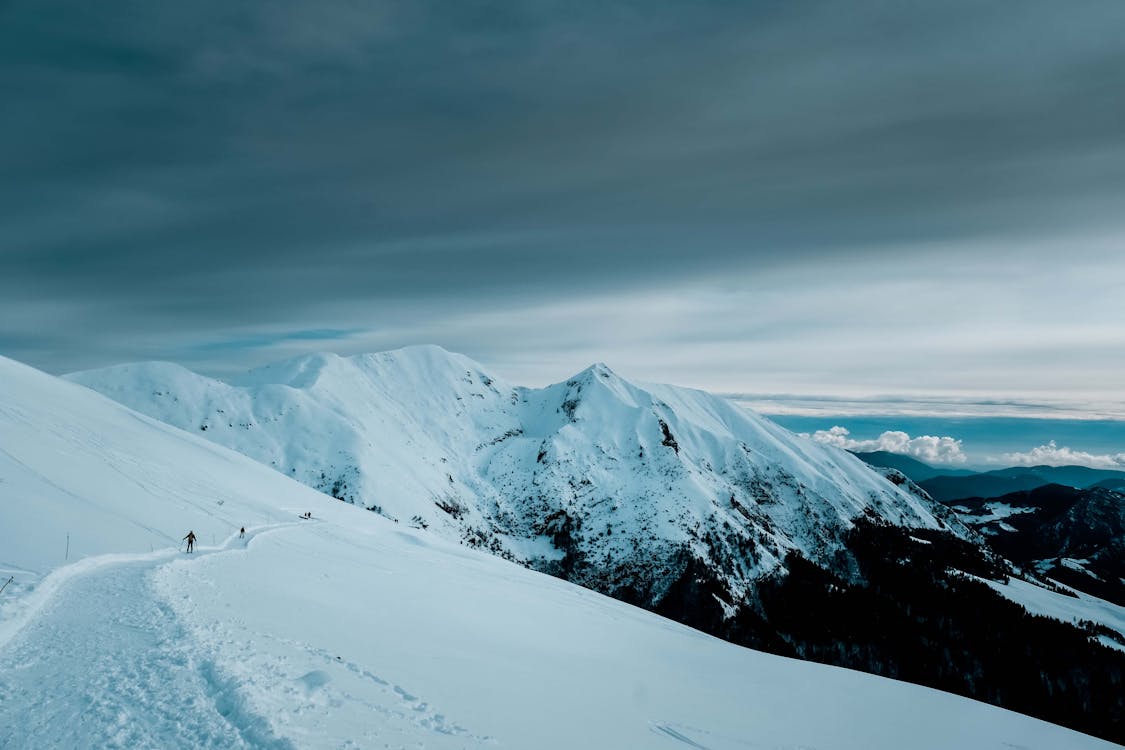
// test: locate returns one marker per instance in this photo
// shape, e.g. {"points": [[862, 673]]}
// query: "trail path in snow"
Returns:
{"points": [[141, 684]]}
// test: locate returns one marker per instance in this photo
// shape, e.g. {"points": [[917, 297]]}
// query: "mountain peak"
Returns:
{"points": [[302, 371], [153, 369], [596, 371], [425, 363], [598, 389], [426, 350], [421, 356]]}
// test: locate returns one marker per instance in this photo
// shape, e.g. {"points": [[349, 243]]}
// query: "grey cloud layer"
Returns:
{"points": [[173, 172]]}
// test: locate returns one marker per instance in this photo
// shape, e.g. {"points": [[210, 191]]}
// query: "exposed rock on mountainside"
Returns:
{"points": [[1074, 536]]}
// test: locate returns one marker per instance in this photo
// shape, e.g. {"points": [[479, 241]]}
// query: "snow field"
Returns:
{"points": [[103, 663], [429, 644], [73, 463]]}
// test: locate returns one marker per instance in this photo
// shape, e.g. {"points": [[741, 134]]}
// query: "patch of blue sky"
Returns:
{"points": [[984, 440], [274, 338]]}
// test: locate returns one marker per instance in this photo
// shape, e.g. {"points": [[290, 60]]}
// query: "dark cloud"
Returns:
{"points": [[175, 174]]}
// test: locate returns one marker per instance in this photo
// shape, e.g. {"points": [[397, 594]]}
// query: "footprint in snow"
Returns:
{"points": [[313, 681]]}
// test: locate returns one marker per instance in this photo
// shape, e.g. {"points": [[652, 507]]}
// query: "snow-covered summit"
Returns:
{"points": [[615, 484], [325, 370]]}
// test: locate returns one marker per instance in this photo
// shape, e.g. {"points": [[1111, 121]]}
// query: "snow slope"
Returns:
{"points": [[75, 463], [609, 483], [1041, 601], [353, 631]]}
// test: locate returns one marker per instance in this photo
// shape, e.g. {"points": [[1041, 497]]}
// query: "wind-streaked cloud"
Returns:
{"points": [[1073, 407], [899, 200], [1051, 454], [926, 448]]}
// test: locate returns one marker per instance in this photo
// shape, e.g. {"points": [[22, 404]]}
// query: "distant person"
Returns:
{"points": [[242, 533], [190, 540]]}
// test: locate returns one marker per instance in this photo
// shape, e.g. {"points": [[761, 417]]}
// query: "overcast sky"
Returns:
{"points": [[845, 199]]}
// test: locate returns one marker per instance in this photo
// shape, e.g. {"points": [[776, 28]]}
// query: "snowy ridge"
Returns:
{"points": [[69, 465], [610, 483], [371, 429]]}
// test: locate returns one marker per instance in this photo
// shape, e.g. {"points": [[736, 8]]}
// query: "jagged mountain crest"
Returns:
{"points": [[614, 484]]}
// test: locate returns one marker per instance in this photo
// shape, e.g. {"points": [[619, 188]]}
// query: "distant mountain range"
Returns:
{"points": [[911, 467], [1065, 523], [945, 485]]}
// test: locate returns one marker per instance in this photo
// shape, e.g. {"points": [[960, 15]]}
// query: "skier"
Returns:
{"points": [[190, 540], [242, 533]]}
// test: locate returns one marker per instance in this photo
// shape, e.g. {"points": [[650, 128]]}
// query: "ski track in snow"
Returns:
{"points": [[702, 739], [677, 735], [400, 704], [150, 683], [143, 687]]}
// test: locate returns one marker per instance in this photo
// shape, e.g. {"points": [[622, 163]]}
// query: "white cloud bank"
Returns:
{"points": [[927, 448], [1054, 455]]}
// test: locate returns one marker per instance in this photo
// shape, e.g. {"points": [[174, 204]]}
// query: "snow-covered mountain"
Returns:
{"points": [[619, 486], [1074, 536], [351, 631]]}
